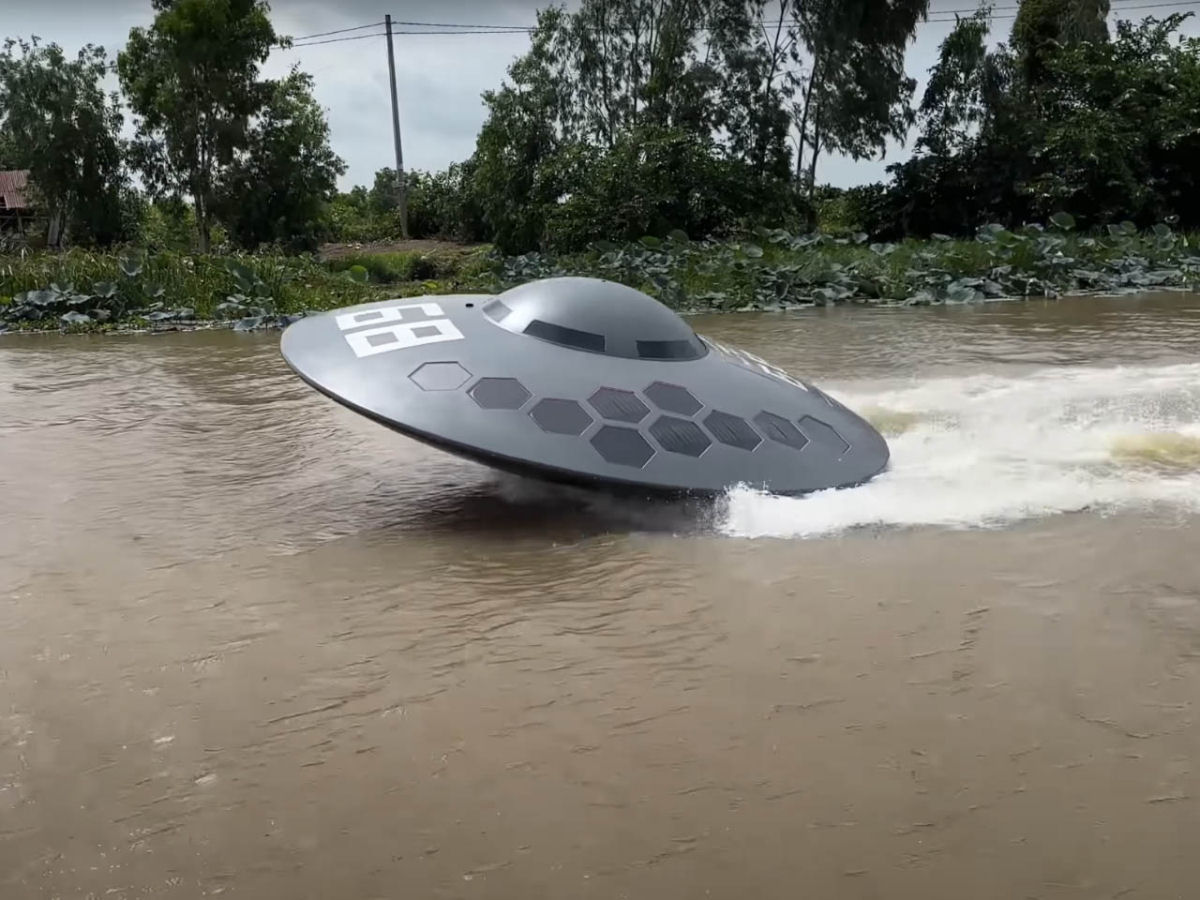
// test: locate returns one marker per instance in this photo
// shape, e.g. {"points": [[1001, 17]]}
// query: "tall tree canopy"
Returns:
{"points": [[1043, 26], [277, 189], [855, 94], [528, 121], [700, 86], [57, 122], [8, 147], [1106, 129], [192, 80]]}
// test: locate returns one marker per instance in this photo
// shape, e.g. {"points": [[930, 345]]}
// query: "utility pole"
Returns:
{"points": [[400, 185]]}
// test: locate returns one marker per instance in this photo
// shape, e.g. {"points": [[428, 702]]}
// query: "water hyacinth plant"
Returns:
{"points": [[84, 290], [773, 269], [766, 269]]}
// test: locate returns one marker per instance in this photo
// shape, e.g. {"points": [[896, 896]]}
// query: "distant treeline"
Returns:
{"points": [[629, 118]]}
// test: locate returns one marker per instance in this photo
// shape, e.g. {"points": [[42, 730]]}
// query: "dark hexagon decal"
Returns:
{"points": [[673, 398], [732, 430], [680, 436], [622, 446], [440, 376], [499, 393], [618, 406], [780, 429], [824, 435], [560, 416]]}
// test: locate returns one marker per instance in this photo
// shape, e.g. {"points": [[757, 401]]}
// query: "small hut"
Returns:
{"points": [[16, 210]]}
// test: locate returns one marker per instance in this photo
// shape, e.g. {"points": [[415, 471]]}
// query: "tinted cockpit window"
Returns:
{"points": [[667, 350], [568, 337]]}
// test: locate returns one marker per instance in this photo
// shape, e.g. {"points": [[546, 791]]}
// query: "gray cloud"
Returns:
{"points": [[440, 77]]}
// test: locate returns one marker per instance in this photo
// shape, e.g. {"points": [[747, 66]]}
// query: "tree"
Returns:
{"points": [[754, 47], [957, 98], [57, 122], [1120, 137], [1108, 133], [856, 94], [8, 148], [278, 188], [442, 205], [1042, 26], [192, 81], [972, 152], [636, 62], [526, 126]]}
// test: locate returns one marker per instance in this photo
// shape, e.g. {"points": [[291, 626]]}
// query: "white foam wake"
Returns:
{"points": [[987, 450]]}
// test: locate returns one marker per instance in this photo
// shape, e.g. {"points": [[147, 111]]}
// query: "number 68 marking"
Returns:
{"points": [[401, 334]]}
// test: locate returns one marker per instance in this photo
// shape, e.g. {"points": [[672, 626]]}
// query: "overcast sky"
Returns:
{"points": [[440, 77]]}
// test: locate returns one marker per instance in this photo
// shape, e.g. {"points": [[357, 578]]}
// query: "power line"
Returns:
{"points": [[395, 31], [1112, 10], [306, 40], [463, 25], [305, 37], [357, 37], [967, 11], [1116, 6], [938, 16]]}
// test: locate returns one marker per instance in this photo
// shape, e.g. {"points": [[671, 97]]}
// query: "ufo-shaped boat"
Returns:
{"points": [[584, 382]]}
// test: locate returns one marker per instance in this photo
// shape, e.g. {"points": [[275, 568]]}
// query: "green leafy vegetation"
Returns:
{"points": [[773, 269], [626, 125], [1066, 120], [766, 269], [103, 290], [56, 122], [581, 144], [191, 79]]}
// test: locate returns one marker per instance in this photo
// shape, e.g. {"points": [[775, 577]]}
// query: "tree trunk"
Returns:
{"points": [[203, 227], [812, 164], [605, 84], [760, 149], [54, 228], [808, 95], [812, 173]]}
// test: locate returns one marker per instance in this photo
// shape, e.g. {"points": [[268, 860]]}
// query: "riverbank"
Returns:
{"points": [[133, 289]]}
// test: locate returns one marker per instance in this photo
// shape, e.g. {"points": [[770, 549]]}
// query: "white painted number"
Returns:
{"points": [[403, 332]]}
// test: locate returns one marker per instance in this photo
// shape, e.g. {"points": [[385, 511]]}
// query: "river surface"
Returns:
{"points": [[252, 645]]}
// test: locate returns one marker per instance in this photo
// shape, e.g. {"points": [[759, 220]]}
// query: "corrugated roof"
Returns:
{"points": [[12, 189]]}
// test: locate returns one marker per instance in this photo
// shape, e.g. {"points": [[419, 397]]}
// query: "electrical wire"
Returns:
{"points": [[305, 37], [462, 25], [1113, 10], [359, 37], [407, 27]]}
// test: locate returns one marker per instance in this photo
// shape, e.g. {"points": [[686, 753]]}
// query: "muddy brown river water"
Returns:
{"points": [[252, 645]]}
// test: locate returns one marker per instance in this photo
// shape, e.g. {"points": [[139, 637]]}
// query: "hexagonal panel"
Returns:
{"points": [[680, 436], [672, 398], [440, 376], [560, 416], [732, 430], [824, 435], [499, 393], [622, 446], [780, 429], [618, 406]]}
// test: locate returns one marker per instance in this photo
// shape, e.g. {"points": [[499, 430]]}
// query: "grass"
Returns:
{"points": [[451, 266], [80, 290]]}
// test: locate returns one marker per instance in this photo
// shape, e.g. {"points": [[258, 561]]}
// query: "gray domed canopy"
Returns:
{"points": [[586, 382], [596, 316]]}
